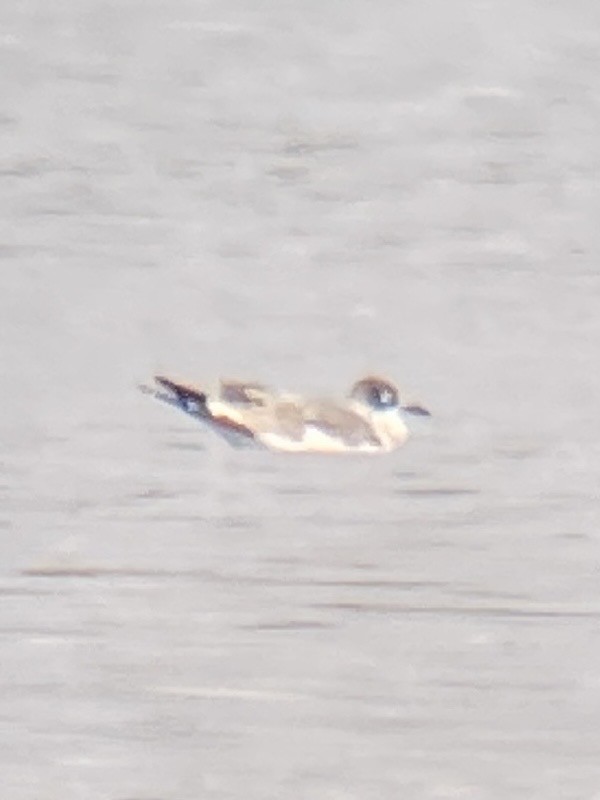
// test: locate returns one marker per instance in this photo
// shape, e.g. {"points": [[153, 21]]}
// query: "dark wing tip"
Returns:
{"points": [[192, 401], [181, 391]]}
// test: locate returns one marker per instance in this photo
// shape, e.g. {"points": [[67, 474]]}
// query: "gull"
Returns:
{"points": [[371, 419]]}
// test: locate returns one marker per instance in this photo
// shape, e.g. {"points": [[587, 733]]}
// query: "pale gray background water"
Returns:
{"points": [[299, 192]]}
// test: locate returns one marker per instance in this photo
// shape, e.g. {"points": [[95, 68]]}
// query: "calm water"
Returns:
{"points": [[300, 193]]}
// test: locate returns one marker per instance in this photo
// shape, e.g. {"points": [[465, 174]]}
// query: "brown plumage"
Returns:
{"points": [[368, 421]]}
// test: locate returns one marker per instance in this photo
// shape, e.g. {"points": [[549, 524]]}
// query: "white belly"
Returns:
{"points": [[314, 441]]}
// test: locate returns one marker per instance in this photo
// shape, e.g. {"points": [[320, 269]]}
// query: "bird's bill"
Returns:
{"points": [[416, 410]]}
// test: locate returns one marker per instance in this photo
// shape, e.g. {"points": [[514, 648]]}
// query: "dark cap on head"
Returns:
{"points": [[377, 393]]}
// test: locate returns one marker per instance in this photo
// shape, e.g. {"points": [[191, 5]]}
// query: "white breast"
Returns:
{"points": [[389, 428]]}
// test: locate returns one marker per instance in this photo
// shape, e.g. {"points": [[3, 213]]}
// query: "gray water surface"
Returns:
{"points": [[300, 193]]}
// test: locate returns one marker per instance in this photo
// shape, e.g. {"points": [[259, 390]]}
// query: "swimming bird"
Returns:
{"points": [[371, 419]]}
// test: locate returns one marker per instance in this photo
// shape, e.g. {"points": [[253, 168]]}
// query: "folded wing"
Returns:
{"points": [[340, 423]]}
